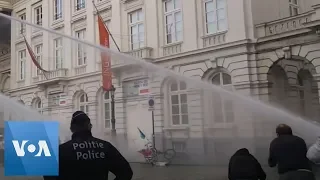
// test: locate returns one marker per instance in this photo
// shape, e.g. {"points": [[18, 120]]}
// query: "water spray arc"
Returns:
{"points": [[257, 107]]}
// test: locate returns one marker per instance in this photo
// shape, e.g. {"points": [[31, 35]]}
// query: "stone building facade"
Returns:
{"points": [[247, 46]]}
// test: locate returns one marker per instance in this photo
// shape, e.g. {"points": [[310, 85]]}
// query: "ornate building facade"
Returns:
{"points": [[248, 46]]}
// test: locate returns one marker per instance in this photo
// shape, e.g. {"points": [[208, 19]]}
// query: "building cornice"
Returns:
{"points": [[17, 3], [5, 5]]}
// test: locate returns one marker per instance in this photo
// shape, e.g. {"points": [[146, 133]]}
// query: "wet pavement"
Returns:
{"points": [[173, 172]]}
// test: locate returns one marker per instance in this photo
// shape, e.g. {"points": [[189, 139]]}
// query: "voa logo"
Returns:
{"points": [[42, 145]]}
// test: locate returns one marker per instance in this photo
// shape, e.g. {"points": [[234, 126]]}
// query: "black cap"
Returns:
{"points": [[80, 118]]}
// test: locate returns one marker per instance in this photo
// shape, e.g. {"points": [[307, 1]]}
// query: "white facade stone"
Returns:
{"points": [[258, 37]]}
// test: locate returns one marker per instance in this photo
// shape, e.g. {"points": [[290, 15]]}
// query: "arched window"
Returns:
{"points": [[222, 107], [179, 103], [278, 91], [83, 103], [107, 110]]}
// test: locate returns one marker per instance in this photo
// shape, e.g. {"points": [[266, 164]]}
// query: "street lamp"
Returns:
{"points": [[113, 118]]}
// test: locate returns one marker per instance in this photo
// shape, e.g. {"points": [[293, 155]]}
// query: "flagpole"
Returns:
{"points": [[112, 90], [25, 40], [99, 16]]}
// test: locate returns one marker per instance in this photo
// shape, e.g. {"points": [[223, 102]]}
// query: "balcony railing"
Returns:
{"points": [[80, 70], [171, 49], [54, 74], [143, 53], [283, 25], [214, 39]]}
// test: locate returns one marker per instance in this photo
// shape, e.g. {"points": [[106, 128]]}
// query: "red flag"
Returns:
{"points": [[105, 58], [33, 57]]}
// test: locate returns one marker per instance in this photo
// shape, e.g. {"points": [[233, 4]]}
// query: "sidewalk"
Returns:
{"points": [[147, 172]]}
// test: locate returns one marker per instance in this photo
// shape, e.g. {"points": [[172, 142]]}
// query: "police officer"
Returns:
{"points": [[86, 157]]}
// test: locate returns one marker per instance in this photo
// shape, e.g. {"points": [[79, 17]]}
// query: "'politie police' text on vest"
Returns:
{"points": [[89, 150]]}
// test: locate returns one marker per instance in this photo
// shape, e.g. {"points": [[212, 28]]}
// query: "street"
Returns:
{"points": [[147, 172]]}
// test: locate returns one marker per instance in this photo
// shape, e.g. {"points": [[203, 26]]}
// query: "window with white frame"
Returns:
{"points": [[173, 21], [215, 16], [107, 110], [38, 55], [39, 106], [293, 7], [38, 15], [58, 56], [22, 26], [80, 4], [306, 95], [57, 13], [22, 64], [222, 108], [136, 29], [81, 52], [178, 103], [84, 103]]}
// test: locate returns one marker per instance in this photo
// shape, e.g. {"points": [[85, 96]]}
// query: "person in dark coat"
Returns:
{"points": [[289, 153], [244, 166], [87, 157]]}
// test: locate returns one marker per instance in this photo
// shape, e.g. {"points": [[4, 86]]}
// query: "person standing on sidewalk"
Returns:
{"points": [[87, 157], [289, 153]]}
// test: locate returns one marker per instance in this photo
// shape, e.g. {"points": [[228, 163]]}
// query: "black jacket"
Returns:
{"points": [[289, 153], [86, 157], [243, 165]]}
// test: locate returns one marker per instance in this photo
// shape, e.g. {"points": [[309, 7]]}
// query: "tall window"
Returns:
{"points": [[57, 9], [83, 103], [80, 4], [107, 110], [22, 26], [58, 58], [215, 14], [136, 29], [38, 15], [81, 52], [22, 64], [39, 106], [293, 7], [38, 55], [222, 108], [301, 95], [173, 21], [179, 103]]}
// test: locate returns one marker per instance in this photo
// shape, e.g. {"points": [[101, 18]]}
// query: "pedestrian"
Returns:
{"points": [[313, 153], [289, 153], [87, 157], [244, 166]]}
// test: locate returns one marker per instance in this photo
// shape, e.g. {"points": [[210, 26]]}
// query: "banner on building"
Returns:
{"points": [[62, 100], [136, 87]]}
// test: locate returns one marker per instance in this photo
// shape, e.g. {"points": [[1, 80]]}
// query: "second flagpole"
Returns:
{"points": [[99, 16]]}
